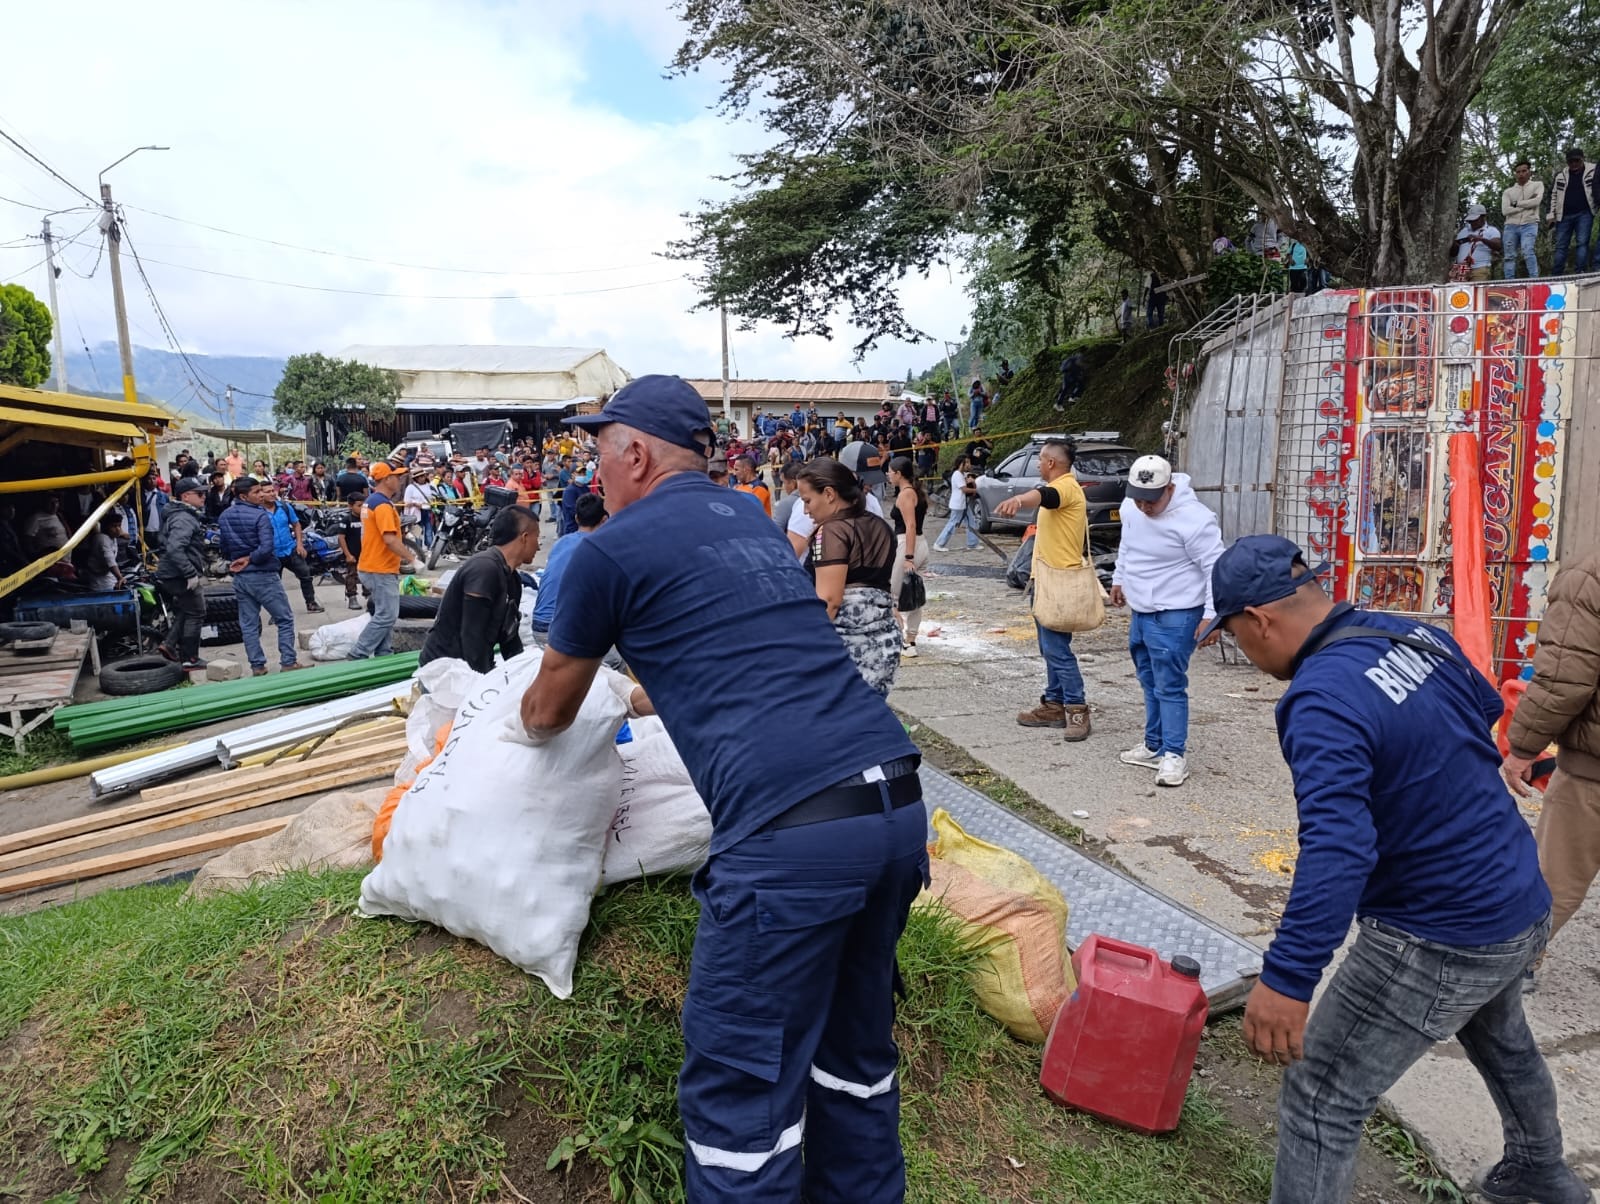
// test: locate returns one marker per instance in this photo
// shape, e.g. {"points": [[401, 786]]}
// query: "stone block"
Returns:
{"points": [[224, 670]]}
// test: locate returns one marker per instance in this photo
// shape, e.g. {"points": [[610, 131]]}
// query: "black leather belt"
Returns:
{"points": [[848, 802]]}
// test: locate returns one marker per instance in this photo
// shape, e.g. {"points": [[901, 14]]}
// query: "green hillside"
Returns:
{"points": [[1126, 392]]}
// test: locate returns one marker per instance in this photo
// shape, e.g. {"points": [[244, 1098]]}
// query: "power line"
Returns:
{"points": [[40, 208], [388, 263], [195, 375], [23, 273], [52, 171], [358, 292]]}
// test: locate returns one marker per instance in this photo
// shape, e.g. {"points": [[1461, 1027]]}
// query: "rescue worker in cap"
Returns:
{"points": [[788, 1086], [1405, 826]]}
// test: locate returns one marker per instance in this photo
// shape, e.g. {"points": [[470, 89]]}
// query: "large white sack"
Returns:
{"points": [[500, 841], [446, 684], [661, 825], [335, 641]]}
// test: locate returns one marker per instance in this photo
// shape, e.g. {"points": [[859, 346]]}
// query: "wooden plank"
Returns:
{"points": [[111, 863], [34, 854], [112, 817], [238, 781]]}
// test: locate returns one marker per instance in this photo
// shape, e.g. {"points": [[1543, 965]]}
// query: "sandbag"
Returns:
{"points": [[661, 826], [501, 841], [1014, 916], [335, 831], [445, 683], [335, 641]]}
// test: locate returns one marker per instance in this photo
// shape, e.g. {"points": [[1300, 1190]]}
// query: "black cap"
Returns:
{"points": [[1186, 966], [1574, 153], [188, 485]]}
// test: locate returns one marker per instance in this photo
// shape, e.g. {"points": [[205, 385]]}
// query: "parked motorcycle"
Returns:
{"points": [[462, 531]]}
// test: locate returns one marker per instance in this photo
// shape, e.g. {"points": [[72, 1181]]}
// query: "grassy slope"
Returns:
{"points": [[265, 1046], [1125, 392]]}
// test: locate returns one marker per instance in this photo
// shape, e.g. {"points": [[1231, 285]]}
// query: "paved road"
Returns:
{"points": [[1224, 843]]}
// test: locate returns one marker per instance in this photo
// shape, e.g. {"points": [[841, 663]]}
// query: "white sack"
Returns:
{"points": [[500, 841], [446, 684], [333, 832], [661, 826], [335, 641]]}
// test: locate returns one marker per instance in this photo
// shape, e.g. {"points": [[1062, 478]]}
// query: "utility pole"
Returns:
{"points": [[727, 394], [113, 232], [55, 309], [108, 224]]}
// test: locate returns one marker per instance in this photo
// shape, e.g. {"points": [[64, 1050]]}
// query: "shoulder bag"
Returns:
{"points": [[1068, 599]]}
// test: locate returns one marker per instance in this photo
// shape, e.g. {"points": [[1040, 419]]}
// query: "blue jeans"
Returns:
{"points": [[788, 1086], [958, 518], [374, 639], [1063, 680], [1391, 1000], [976, 415], [1574, 226], [1519, 241], [256, 592], [1162, 643]]}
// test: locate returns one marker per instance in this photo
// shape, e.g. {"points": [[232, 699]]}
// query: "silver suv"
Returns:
{"points": [[1101, 465]]}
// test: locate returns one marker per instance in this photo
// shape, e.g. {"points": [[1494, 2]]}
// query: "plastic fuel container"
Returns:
{"points": [[1123, 1045]]}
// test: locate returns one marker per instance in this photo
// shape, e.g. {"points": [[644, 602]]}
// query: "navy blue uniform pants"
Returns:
{"points": [[788, 1086]]}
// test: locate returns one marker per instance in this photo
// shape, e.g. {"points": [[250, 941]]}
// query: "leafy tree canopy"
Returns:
{"points": [[316, 386], [24, 337]]}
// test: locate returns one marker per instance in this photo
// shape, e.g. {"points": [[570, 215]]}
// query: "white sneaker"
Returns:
{"points": [[908, 650], [1143, 757], [1173, 771]]}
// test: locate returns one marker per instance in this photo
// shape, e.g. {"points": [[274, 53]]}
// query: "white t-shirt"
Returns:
{"points": [[416, 501], [958, 500], [1476, 254], [800, 522]]}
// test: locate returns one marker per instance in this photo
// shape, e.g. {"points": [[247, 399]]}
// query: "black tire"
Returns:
{"points": [[436, 551], [1020, 571], [228, 632], [139, 675], [222, 610], [980, 515], [13, 632], [415, 607]]}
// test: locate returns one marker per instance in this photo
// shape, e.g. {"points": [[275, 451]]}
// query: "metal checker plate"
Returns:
{"points": [[1101, 899]]}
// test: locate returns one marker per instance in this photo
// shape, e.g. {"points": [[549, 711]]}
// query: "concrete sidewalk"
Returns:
{"points": [[1224, 843]]}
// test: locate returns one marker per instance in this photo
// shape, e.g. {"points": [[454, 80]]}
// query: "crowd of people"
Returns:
{"points": [[1567, 207]]}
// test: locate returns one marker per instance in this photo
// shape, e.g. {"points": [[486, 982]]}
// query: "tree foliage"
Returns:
{"points": [[901, 127], [25, 330], [315, 387]]}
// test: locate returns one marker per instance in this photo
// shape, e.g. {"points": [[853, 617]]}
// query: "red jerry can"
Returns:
{"points": [[1123, 1045]]}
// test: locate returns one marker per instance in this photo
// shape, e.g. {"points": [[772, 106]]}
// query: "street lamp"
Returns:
{"points": [[108, 225]]}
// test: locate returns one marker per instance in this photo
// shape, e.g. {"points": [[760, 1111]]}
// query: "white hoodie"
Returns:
{"points": [[1164, 563]]}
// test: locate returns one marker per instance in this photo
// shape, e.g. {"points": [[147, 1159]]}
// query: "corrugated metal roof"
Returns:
{"points": [[416, 404], [97, 407], [788, 391], [470, 358]]}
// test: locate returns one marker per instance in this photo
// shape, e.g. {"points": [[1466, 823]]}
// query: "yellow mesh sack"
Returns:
{"points": [[1014, 916]]}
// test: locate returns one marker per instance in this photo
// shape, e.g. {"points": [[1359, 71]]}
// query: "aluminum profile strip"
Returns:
{"points": [[230, 746], [1104, 900], [136, 775]]}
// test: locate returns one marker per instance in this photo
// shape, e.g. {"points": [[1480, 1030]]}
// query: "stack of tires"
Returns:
{"points": [[222, 614]]}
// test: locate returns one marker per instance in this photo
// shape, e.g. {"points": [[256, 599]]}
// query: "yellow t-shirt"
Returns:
{"points": [[1062, 530]]}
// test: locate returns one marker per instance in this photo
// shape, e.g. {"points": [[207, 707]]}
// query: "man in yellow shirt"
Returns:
{"points": [[1063, 526]]}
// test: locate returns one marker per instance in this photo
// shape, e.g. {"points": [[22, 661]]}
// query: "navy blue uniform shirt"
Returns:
{"points": [[1403, 814], [697, 588]]}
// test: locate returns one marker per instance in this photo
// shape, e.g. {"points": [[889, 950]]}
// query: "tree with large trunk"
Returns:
{"points": [[919, 121]]}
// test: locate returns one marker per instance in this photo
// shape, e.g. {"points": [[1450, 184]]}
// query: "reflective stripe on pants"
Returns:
{"points": [[788, 1023]]}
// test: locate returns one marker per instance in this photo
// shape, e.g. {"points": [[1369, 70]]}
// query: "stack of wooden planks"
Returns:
{"points": [[348, 758]]}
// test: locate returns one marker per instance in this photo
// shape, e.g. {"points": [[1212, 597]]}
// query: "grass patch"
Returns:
{"points": [[42, 747], [1125, 391], [265, 1046]]}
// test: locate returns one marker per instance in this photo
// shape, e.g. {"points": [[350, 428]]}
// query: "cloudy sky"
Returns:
{"points": [[532, 142]]}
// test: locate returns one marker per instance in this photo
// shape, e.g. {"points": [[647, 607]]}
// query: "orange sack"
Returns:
{"points": [[380, 826]]}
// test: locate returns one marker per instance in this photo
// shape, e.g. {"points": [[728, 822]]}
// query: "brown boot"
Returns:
{"points": [[1046, 714], [1077, 723]]}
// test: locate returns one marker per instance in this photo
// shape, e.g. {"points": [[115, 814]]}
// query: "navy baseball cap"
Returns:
{"points": [[1256, 570], [664, 406]]}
